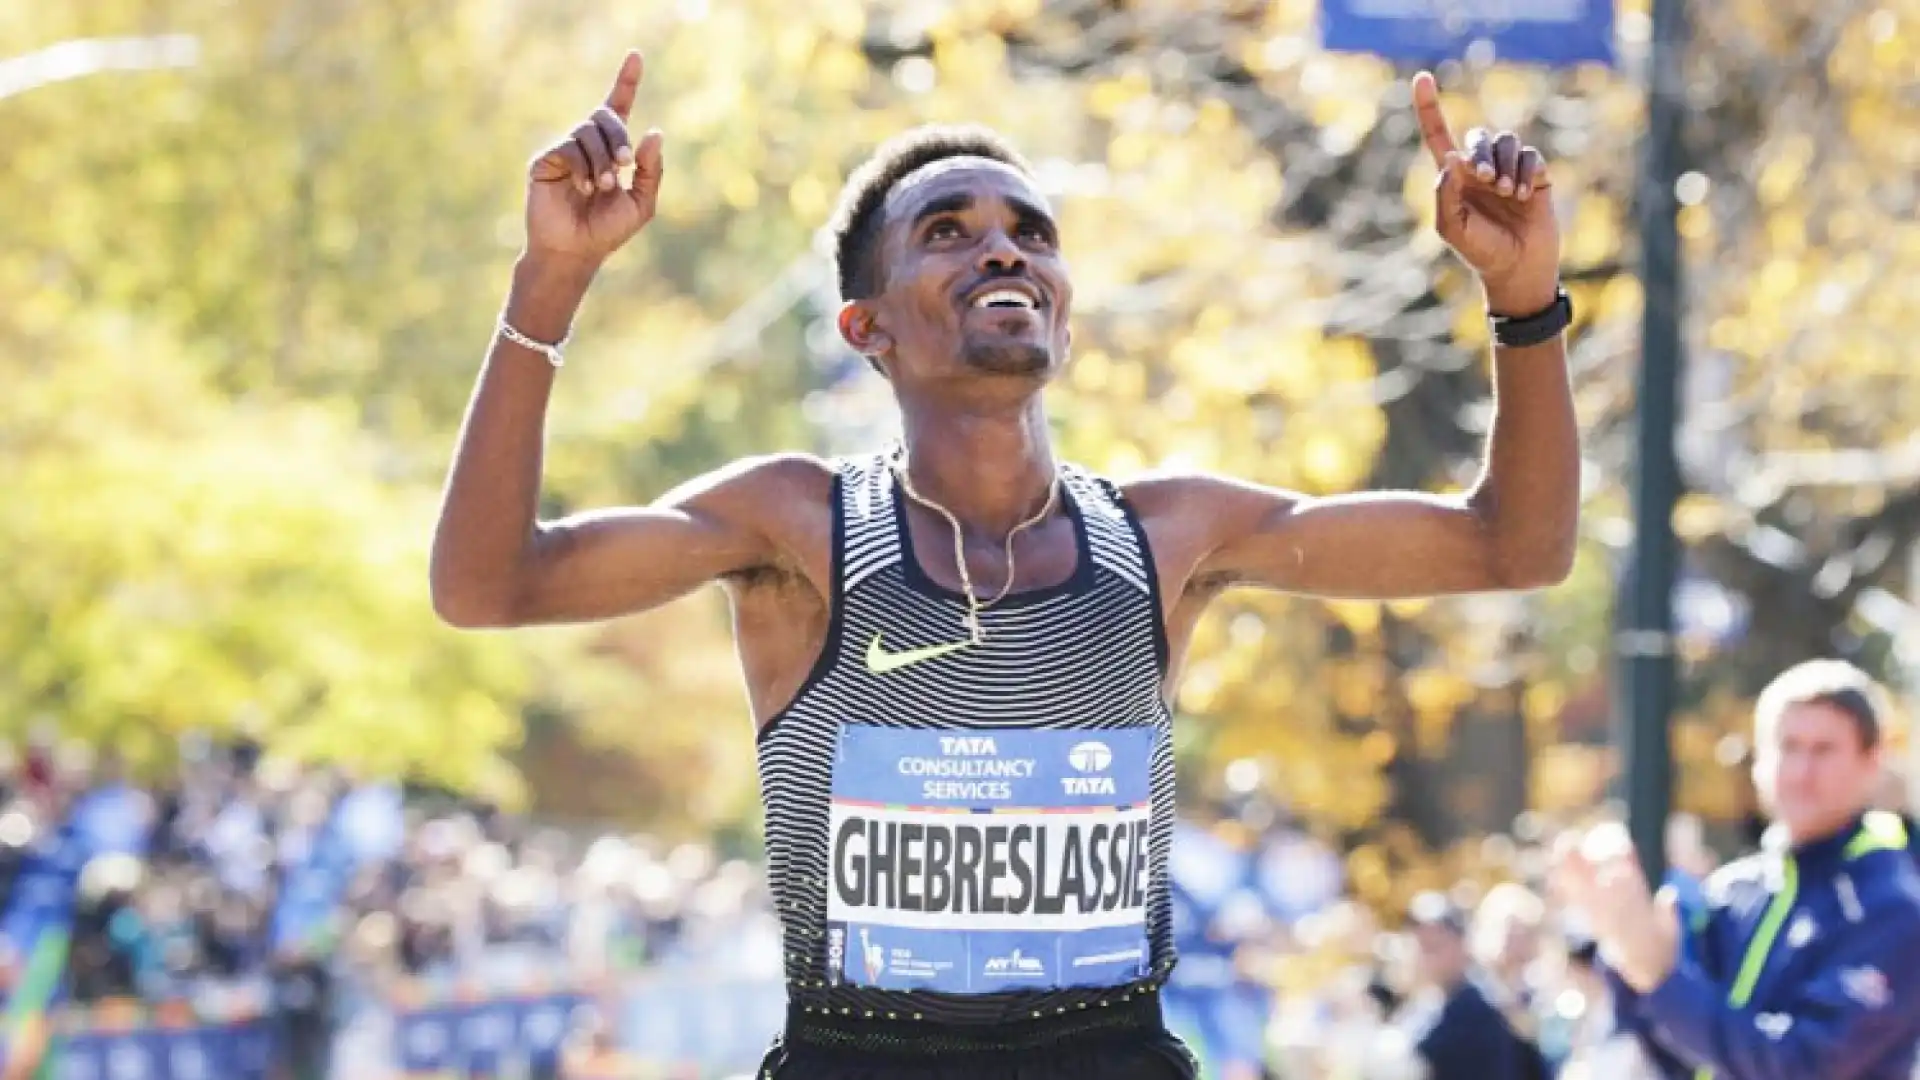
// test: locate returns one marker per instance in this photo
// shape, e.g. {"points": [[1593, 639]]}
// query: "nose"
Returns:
{"points": [[999, 255], [1796, 772]]}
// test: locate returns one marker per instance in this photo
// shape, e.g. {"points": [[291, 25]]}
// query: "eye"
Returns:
{"points": [[944, 229], [1039, 234]]}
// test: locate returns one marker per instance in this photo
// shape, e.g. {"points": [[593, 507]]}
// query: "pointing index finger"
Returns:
{"points": [[625, 86], [1433, 123]]}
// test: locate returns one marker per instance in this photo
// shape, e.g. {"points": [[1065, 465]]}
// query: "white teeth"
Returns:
{"points": [[1005, 298]]}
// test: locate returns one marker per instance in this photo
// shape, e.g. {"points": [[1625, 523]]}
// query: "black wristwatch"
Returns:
{"points": [[1518, 332]]}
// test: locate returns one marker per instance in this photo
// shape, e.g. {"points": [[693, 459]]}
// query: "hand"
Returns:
{"points": [[1489, 208], [579, 206], [1638, 933]]}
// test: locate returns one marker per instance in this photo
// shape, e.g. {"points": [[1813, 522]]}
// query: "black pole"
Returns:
{"points": [[1644, 643]]}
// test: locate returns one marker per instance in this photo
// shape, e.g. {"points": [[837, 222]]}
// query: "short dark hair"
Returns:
{"points": [[1834, 683], [858, 221]]}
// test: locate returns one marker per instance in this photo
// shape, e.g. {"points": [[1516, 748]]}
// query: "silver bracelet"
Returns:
{"points": [[551, 352]]}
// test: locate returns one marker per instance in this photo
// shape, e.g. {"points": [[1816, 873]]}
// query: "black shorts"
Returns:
{"points": [[1125, 1043]]}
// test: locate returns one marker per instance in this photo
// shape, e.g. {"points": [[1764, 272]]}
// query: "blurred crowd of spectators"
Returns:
{"points": [[472, 889], [1469, 977], [468, 886], [1490, 979]]}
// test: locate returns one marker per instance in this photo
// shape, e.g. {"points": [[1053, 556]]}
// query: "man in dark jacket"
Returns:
{"points": [[1802, 961], [1467, 1038]]}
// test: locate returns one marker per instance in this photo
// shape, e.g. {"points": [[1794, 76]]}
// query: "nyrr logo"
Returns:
{"points": [[836, 953], [1015, 965]]}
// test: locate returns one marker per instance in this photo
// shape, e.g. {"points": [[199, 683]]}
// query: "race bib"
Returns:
{"points": [[970, 863]]}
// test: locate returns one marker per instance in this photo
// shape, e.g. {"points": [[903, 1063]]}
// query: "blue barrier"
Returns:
{"points": [[669, 1020], [241, 1051], [510, 1036]]}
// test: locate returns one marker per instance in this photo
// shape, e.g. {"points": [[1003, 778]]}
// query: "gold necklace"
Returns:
{"points": [[974, 605]]}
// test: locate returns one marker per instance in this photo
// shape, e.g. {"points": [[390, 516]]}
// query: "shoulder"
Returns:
{"points": [[1481, 998], [774, 485], [1746, 868], [1185, 493], [1736, 894], [1882, 868], [1196, 513], [1726, 885], [1189, 516], [1889, 886], [783, 498], [785, 473]]}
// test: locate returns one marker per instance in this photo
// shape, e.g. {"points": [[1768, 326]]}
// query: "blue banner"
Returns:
{"points": [[1556, 33], [213, 1052], [502, 1037], [366, 824], [723, 1026], [973, 863], [679, 1021]]}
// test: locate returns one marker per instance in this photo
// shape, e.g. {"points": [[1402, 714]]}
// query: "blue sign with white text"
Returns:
{"points": [[485, 1038], [985, 862], [216, 1052], [1557, 33]]}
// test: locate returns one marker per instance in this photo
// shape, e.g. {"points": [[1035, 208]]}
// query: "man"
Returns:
{"points": [[960, 652], [1462, 1034], [1805, 959]]}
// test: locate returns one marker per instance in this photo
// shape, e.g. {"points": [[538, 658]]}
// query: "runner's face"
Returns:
{"points": [[974, 283], [1813, 771]]}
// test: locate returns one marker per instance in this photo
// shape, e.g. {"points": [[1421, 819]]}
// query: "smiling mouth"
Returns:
{"points": [[1007, 294], [1006, 299]]}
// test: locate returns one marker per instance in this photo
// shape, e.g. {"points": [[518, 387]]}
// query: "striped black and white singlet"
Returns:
{"points": [[899, 802]]}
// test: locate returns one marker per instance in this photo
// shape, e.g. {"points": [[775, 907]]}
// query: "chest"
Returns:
{"points": [[1041, 556], [1769, 933], [1076, 658]]}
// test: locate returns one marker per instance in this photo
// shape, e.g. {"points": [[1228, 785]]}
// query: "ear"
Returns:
{"points": [[861, 330]]}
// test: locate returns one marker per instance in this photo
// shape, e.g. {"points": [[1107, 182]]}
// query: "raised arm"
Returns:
{"points": [[1515, 527], [494, 563]]}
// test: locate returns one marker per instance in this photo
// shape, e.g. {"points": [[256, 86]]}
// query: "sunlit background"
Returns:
{"points": [[250, 257]]}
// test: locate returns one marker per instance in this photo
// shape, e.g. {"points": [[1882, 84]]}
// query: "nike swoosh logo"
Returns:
{"points": [[880, 661]]}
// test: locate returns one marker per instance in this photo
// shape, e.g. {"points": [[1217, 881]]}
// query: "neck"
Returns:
{"points": [[1811, 834], [992, 469]]}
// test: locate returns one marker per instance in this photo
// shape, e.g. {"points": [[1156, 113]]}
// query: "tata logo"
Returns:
{"points": [[1090, 757], [968, 745], [1088, 785]]}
